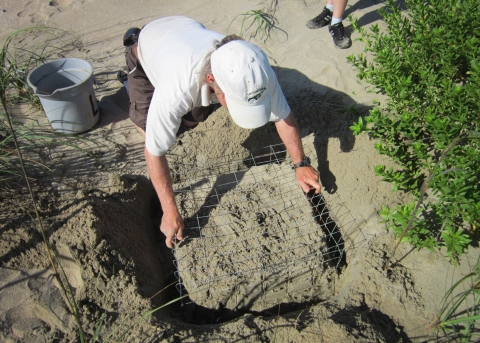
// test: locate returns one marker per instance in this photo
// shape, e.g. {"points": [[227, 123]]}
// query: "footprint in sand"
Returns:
{"points": [[36, 11], [59, 3]]}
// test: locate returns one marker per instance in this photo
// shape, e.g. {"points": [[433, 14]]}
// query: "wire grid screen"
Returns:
{"points": [[252, 238]]}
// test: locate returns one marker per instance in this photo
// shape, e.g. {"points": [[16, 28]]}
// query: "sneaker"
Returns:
{"points": [[340, 39], [321, 20], [122, 76], [131, 36]]}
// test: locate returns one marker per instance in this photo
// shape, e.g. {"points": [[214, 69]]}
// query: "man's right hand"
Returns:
{"points": [[172, 226]]}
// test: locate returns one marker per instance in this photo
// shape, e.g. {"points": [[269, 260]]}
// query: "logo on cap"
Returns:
{"points": [[255, 95]]}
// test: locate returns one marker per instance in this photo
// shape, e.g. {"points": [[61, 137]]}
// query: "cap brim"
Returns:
{"points": [[250, 116]]}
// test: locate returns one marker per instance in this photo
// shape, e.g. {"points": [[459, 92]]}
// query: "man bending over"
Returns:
{"points": [[173, 61]]}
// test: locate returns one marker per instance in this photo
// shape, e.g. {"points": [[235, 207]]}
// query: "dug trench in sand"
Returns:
{"points": [[252, 241]]}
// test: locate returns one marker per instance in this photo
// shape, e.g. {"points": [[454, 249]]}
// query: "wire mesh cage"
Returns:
{"points": [[252, 237]]}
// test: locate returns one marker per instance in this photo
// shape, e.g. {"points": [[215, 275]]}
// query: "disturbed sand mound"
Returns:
{"points": [[106, 243], [255, 242]]}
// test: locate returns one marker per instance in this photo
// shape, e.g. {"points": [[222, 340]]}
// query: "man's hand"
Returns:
{"points": [[308, 178], [172, 226]]}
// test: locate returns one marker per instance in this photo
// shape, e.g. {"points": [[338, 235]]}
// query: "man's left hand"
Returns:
{"points": [[308, 178]]}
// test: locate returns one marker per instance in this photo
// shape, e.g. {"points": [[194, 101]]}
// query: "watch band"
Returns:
{"points": [[303, 163]]}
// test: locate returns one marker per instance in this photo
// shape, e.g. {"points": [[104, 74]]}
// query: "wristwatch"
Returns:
{"points": [[303, 163]]}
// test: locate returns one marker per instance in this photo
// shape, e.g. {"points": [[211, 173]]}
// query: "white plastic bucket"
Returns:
{"points": [[65, 89]]}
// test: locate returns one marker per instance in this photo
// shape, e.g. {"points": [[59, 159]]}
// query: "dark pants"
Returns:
{"points": [[141, 93]]}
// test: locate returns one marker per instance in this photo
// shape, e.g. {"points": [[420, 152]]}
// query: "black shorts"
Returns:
{"points": [[141, 93]]}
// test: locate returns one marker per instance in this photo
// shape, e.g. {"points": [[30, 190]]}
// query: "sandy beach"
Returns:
{"points": [[102, 216]]}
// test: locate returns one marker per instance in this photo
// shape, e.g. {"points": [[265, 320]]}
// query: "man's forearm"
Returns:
{"points": [[162, 181], [307, 177], [288, 131]]}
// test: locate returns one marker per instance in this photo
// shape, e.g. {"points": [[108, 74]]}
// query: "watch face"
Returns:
{"points": [[303, 163]]}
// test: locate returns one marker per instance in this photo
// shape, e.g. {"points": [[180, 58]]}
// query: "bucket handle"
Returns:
{"points": [[94, 111]]}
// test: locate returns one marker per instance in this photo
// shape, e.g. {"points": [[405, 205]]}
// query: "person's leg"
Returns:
{"points": [[189, 124], [140, 90], [330, 5], [336, 29], [338, 10]]}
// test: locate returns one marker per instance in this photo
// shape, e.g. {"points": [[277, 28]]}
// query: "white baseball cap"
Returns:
{"points": [[243, 73]]}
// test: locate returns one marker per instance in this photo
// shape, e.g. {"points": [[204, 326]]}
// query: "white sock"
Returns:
{"points": [[330, 7], [335, 21]]}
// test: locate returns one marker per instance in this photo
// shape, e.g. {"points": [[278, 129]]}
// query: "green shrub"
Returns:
{"points": [[426, 63]]}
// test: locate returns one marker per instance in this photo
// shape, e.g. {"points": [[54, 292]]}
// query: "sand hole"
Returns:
{"points": [[254, 240]]}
